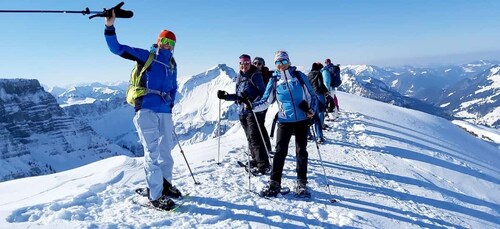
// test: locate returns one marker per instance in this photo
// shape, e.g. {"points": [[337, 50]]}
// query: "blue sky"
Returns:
{"points": [[62, 49]]}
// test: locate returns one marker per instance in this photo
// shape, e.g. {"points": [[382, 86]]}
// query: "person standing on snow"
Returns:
{"points": [[250, 86], [327, 77], [316, 79], [296, 102], [266, 74], [153, 112]]}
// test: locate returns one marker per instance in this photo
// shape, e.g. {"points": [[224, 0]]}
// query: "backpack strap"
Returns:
{"points": [[148, 63]]}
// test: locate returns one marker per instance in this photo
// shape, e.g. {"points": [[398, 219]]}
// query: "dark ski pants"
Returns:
{"points": [[284, 134], [262, 119], [255, 144]]}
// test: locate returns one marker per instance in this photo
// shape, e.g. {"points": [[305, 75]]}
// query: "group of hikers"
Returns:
{"points": [[301, 101]]}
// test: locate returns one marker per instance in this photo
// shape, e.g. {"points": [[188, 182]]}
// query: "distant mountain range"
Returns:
{"points": [[83, 123]]}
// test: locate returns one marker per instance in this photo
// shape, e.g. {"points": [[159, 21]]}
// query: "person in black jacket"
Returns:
{"points": [[250, 86], [316, 79], [266, 75]]}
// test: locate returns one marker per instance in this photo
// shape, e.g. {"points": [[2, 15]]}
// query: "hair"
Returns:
{"points": [[316, 66], [260, 59]]}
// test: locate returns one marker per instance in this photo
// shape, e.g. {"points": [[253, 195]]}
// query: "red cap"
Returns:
{"points": [[168, 34]]}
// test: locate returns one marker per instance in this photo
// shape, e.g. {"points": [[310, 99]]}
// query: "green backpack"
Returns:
{"points": [[135, 90]]}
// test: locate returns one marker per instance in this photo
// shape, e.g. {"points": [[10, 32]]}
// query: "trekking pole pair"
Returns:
{"points": [[182, 151]]}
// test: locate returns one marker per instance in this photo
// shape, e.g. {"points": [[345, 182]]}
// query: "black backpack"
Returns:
{"points": [[335, 73]]}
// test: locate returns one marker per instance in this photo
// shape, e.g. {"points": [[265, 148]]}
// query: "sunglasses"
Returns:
{"points": [[245, 63], [257, 63], [278, 62], [166, 41]]}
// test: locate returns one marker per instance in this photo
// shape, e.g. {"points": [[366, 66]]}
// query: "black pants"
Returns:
{"points": [[262, 119], [284, 134], [255, 144]]}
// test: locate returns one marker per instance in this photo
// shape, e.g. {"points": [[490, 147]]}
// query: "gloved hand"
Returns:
{"points": [[244, 99], [304, 107], [222, 94], [247, 103]]}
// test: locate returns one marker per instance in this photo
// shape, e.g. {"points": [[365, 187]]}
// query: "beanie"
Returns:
{"points": [[167, 34], [281, 55], [327, 61]]}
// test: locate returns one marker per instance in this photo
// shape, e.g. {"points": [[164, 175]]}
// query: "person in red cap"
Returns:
{"points": [[153, 112], [329, 72]]}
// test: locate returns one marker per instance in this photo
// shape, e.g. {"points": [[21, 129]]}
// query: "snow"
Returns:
{"points": [[75, 101], [388, 166], [444, 105], [482, 132]]}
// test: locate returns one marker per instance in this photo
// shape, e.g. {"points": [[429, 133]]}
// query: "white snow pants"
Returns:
{"points": [[155, 134]]}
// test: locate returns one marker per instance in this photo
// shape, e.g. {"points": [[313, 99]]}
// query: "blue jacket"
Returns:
{"points": [[249, 84], [327, 77], [161, 75], [289, 92]]}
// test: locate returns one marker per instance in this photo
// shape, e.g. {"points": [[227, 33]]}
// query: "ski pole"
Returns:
{"points": [[119, 13], [182, 151], [332, 200], [218, 135], [261, 134]]}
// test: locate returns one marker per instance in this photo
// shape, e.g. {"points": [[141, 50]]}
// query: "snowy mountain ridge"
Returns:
{"points": [[37, 136], [388, 166]]}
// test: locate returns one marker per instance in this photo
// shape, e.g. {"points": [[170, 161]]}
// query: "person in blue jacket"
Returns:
{"points": [[297, 101], [327, 77], [153, 117]]}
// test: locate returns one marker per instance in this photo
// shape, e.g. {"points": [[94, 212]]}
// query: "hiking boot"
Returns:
{"points": [[271, 190], [301, 189], [321, 140], [266, 170], [170, 191], [163, 203], [309, 137], [253, 164], [325, 127]]}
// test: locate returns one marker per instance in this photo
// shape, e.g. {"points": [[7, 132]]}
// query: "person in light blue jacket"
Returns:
{"points": [[153, 117], [296, 100]]}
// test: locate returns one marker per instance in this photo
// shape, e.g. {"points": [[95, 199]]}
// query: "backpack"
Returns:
{"points": [[135, 89], [335, 74]]}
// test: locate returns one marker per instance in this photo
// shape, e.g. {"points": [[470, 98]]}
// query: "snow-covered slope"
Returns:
{"points": [[389, 167]]}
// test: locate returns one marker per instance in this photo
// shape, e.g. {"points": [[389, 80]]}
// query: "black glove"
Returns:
{"points": [[247, 103], [222, 94], [303, 106]]}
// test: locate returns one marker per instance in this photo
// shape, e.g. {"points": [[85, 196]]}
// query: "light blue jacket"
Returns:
{"points": [[289, 92], [327, 77], [161, 75]]}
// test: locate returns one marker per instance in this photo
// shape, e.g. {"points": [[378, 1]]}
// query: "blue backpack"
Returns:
{"points": [[335, 73]]}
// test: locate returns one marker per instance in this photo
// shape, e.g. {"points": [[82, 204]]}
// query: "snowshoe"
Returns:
{"points": [[260, 171], [301, 190], [163, 203], [271, 190]]}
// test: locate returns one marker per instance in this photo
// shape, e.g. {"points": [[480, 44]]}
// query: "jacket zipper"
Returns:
{"points": [[290, 92]]}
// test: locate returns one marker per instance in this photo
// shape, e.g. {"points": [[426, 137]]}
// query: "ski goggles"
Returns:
{"points": [[245, 63], [283, 62], [166, 41]]}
